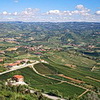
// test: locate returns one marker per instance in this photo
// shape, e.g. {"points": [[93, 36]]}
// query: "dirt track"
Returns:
{"points": [[72, 79]]}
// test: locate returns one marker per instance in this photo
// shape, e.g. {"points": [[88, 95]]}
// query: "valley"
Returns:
{"points": [[57, 59]]}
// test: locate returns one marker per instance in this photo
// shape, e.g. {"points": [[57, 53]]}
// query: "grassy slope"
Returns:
{"points": [[67, 58], [80, 72], [74, 73], [39, 82], [30, 77], [64, 88], [45, 69]]}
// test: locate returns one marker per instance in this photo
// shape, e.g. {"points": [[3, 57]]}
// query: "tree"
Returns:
{"points": [[91, 96], [2, 97]]}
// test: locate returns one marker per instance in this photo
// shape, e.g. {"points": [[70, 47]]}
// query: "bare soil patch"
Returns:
{"points": [[72, 79]]}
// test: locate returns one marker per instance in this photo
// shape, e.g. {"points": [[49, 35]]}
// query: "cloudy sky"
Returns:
{"points": [[50, 10]]}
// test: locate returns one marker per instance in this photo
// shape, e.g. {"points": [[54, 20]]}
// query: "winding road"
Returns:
{"points": [[46, 95], [27, 65], [19, 67]]}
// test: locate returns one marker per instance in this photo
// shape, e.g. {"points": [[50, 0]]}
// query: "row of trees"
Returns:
{"points": [[19, 93]]}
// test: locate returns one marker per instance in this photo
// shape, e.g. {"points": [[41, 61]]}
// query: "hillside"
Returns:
{"points": [[52, 33], [68, 59]]}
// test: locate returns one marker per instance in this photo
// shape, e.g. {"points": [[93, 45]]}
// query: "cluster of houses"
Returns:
{"points": [[35, 48], [17, 63], [21, 63], [24, 61]]}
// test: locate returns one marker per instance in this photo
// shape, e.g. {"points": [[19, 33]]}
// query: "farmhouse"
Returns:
{"points": [[16, 80], [1, 60], [12, 65], [22, 61]]}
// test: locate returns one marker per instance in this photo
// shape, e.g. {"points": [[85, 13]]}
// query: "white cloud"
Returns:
{"points": [[80, 10], [53, 12], [80, 7], [5, 13], [10, 18], [98, 12], [15, 13], [75, 12], [29, 14], [67, 13], [29, 11]]}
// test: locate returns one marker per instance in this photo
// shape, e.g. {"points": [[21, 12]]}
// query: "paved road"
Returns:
{"points": [[19, 67], [56, 98], [26, 65], [46, 95], [52, 97], [58, 79]]}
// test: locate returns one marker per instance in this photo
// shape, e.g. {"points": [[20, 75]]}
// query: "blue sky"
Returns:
{"points": [[50, 10]]}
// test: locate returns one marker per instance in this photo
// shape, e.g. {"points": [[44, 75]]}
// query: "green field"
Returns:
{"points": [[45, 69], [38, 82], [80, 72], [71, 49], [71, 58], [64, 88], [31, 77]]}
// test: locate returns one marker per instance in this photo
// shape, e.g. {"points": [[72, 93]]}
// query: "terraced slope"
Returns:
{"points": [[42, 83]]}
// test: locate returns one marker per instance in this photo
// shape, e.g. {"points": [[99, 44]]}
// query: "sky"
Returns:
{"points": [[50, 10]]}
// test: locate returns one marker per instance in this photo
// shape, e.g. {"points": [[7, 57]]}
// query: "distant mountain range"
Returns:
{"points": [[53, 33]]}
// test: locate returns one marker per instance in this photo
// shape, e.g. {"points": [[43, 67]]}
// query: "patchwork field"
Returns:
{"points": [[45, 69], [64, 88], [38, 82], [71, 58], [81, 72], [31, 77]]}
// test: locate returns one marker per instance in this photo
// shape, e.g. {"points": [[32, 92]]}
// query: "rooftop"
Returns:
{"points": [[18, 76]]}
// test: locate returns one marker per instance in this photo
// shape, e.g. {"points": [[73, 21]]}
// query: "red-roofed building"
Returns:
{"points": [[38, 53], [1, 60], [18, 78], [13, 64]]}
